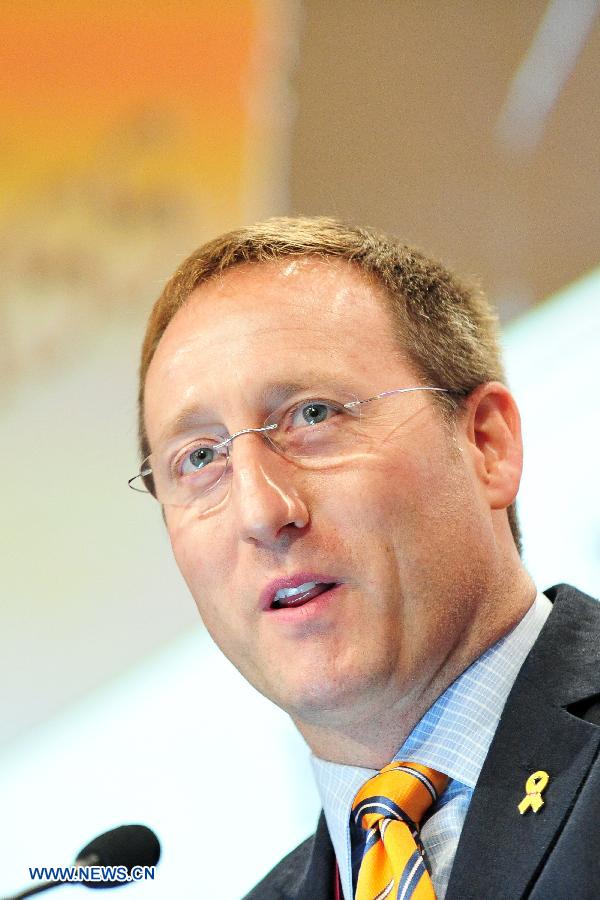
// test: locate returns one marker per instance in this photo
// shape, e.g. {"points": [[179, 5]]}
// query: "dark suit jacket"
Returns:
{"points": [[551, 721]]}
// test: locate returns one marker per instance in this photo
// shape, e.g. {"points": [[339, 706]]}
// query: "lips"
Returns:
{"points": [[300, 596], [295, 591]]}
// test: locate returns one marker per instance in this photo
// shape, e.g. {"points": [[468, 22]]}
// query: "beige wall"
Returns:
{"points": [[397, 107]]}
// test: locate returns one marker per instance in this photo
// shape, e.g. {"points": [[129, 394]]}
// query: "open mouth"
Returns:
{"points": [[288, 597]]}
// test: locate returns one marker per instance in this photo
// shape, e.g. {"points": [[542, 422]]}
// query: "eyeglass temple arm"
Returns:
{"points": [[396, 391]]}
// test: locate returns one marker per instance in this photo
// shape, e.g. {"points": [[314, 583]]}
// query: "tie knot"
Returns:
{"points": [[402, 790]]}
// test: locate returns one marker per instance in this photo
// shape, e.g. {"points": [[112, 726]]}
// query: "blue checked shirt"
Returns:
{"points": [[453, 737]]}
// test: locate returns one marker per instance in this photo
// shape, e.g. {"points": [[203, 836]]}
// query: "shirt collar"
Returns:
{"points": [[453, 736]]}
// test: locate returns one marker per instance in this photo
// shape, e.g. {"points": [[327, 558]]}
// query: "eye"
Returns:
{"points": [[314, 412], [194, 460]]}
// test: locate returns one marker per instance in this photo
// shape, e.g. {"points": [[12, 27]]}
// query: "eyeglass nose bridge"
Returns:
{"points": [[232, 437]]}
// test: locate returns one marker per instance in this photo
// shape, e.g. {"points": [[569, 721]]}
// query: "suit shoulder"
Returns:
{"points": [[279, 884]]}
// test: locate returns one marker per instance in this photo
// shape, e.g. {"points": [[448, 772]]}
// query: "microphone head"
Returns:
{"points": [[127, 845]]}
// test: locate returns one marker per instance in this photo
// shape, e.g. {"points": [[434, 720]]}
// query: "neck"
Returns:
{"points": [[371, 732]]}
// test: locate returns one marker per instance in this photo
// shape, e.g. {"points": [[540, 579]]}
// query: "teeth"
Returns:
{"points": [[282, 593]]}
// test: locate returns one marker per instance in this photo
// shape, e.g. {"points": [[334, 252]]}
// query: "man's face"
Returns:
{"points": [[396, 527]]}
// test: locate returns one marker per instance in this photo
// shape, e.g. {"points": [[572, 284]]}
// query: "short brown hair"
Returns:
{"points": [[447, 328]]}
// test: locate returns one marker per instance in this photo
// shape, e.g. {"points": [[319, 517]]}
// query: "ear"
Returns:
{"points": [[492, 429]]}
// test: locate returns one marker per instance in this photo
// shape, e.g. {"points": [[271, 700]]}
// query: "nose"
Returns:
{"points": [[264, 498]]}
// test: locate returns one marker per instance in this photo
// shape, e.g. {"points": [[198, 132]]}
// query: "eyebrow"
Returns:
{"points": [[271, 396]]}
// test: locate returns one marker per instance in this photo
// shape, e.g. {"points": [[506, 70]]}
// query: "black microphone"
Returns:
{"points": [[127, 846]]}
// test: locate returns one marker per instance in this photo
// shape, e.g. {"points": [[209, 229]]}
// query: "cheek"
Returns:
{"points": [[414, 497], [200, 561], [209, 592], [387, 486]]}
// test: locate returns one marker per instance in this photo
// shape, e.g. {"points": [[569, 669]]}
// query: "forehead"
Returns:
{"points": [[262, 323]]}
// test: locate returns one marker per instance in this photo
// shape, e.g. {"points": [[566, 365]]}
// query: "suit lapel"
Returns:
{"points": [[501, 852], [318, 878]]}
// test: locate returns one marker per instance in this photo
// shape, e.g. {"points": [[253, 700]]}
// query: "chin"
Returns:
{"points": [[329, 697]]}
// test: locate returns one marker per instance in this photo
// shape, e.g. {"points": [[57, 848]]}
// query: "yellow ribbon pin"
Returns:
{"points": [[534, 786]]}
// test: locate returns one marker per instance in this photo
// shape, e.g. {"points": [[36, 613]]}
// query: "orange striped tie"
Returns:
{"points": [[390, 807]]}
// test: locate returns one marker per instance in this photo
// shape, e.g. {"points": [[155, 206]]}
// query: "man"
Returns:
{"points": [[324, 421]]}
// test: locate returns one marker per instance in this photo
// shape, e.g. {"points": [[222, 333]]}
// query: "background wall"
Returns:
{"points": [[469, 127], [132, 133]]}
